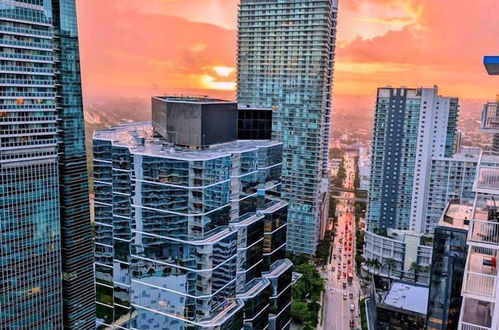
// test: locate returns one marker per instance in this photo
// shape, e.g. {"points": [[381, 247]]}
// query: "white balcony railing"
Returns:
{"points": [[484, 232], [480, 284], [487, 179], [469, 326]]}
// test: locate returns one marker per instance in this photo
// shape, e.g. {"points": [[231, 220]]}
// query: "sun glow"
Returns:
{"points": [[223, 71], [209, 82]]}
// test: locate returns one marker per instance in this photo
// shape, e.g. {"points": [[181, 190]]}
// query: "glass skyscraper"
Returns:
{"points": [[451, 179], [411, 127], [447, 268], [189, 236], [46, 260], [285, 61]]}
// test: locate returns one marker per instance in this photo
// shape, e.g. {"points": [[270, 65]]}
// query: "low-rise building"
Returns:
{"points": [[400, 255], [402, 307]]}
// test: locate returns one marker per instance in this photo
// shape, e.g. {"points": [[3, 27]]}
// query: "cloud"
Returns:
{"points": [[136, 50], [445, 47], [145, 46]]}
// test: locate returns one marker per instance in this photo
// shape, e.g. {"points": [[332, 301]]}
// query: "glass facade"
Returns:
{"points": [[451, 179], [411, 126], [77, 248], [446, 279], [43, 187], [180, 233], [285, 62]]}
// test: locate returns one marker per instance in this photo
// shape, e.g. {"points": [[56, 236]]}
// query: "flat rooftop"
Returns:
{"points": [[491, 64], [457, 216], [140, 139], [278, 267], [408, 297], [198, 99]]}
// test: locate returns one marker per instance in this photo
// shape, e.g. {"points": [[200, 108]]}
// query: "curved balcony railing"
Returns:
{"points": [[27, 57], [26, 32], [27, 82], [22, 69], [26, 44]]}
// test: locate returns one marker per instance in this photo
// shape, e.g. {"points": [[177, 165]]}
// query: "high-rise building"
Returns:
{"points": [[451, 180], [411, 127], [490, 117], [490, 122], [285, 62], [45, 233], [190, 227], [480, 304], [447, 267]]}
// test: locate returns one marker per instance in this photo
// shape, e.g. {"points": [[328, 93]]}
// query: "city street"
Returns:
{"points": [[340, 292]]}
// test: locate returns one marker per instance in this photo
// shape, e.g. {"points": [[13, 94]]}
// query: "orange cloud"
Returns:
{"points": [[141, 47]]}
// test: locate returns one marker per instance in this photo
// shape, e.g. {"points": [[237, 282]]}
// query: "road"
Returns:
{"points": [[337, 310]]}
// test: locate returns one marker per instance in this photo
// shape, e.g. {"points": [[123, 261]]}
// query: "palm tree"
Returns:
{"points": [[390, 263], [377, 265], [414, 268], [368, 263]]}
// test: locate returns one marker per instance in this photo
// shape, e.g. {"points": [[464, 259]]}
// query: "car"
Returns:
{"points": [[338, 276], [352, 307], [352, 323], [344, 287], [334, 256], [332, 268], [351, 295], [344, 296]]}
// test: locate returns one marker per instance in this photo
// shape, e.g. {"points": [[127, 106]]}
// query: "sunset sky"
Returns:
{"points": [[144, 47]]}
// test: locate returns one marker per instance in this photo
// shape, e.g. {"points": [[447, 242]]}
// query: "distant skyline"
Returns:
{"points": [[144, 47]]}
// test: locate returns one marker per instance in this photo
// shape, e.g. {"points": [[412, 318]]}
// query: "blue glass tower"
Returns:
{"points": [[411, 127], [285, 61], [44, 215]]}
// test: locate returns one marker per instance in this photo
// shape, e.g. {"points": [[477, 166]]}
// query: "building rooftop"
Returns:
{"points": [[408, 297], [278, 267], [457, 216], [197, 99], [140, 139], [254, 287]]}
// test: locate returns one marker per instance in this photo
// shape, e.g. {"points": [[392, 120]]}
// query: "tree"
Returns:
{"points": [[390, 263], [368, 263], [414, 269], [297, 259], [299, 311], [376, 264]]}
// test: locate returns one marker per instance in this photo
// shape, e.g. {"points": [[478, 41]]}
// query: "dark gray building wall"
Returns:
{"points": [[254, 124], [193, 123], [219, 123]]}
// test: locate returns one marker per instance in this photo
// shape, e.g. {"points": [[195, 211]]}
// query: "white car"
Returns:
{"points": [[352, 307]]}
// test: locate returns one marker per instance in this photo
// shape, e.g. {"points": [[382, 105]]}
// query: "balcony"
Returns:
{"points": [[27, 70], [46, 46], [480, 278], [476, 314], [485, 232], [490, 118], [46, 34], [487, 176]]}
